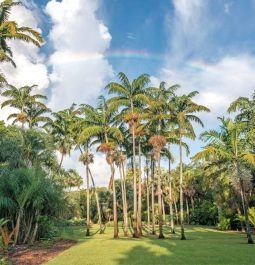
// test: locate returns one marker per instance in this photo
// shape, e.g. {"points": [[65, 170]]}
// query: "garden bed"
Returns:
{"points": [[39, 252]]}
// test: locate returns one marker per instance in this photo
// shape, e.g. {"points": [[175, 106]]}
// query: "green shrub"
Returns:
{"points": [[224, 223]]}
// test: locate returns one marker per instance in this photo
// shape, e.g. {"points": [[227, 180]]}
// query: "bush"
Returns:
{"points": [[224, 223], [205, 213]]}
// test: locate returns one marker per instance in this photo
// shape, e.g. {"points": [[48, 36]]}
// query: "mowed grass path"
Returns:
{"points": [[203, 246]]}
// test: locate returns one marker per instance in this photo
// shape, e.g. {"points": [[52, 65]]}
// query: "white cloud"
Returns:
{"points": [[80, 39], [187, 27], [31, 68]]}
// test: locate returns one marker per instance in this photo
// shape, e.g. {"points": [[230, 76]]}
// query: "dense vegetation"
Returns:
{"points": [[135, 126]]}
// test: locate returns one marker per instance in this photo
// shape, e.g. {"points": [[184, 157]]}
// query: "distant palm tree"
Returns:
{"points": [[229, 151], [130, 97], [182, 111], [10, 30], [21, 98], [62, 130]]}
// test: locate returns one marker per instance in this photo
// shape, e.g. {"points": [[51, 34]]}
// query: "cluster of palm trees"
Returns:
{"points": [[135, 121]]}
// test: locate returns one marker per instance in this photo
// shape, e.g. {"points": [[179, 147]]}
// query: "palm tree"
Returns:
{"points": [[10, 30], [228, 149], [100, 125], [182, 110], [37, 114], [21, 98], [130, 96], [62, 129]]}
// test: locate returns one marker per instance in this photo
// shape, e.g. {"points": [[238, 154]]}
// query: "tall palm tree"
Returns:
{"points": [[100, 125], [228, 149], [10, 30], [130, 96], [182, 110], [21, 98]]}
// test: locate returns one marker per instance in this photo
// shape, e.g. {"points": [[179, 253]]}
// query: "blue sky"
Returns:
{"points": [[204, 45]]}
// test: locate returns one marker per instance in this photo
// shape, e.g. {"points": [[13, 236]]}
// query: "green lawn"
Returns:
{"points": [[204, 246]]}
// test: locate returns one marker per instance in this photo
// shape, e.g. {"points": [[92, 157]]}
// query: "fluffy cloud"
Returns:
{"points": [[31, 68], [80, 39]]}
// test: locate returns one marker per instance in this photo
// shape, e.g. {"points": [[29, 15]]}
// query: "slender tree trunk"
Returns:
{"points": [[153, 197], [97, 202], [88, 201], [176, 211], [139, 212], [147, 194], [17, 228], [115, 218], [248, 229], [125, 199], [123, 194], [28, 230], [170, 198], [135, 228], [181, 193], [187, 209], [161, 235], [163, 210], [240, 213], [61, 162], [192, 202]]}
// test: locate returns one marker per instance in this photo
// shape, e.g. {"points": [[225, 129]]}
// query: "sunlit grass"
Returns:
{"points": [[203, 246]]}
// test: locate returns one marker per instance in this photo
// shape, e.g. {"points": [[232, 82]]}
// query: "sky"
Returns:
{"points": [[203, 45]]}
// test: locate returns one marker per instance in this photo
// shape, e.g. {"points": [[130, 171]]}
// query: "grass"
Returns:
{"points": [[203, 246]]}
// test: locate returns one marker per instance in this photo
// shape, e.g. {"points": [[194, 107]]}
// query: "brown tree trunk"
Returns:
{"points": [[125, 198]]}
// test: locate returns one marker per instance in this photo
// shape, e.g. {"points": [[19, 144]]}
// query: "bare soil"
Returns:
{"points": [[39, 252]]}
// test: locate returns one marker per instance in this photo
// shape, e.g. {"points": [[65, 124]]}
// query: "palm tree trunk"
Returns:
{"points": [[152, 197], [170, 198], [181, 193], [97, 202], [147, 194], [248, 229], [125, 199], [61, 161], [192, 202], [17, 228], [187, 209], [176, 211], [239, 213], [123, 194], [135, 234], [161, 235], [163, 210], [115, 218], [139, 213], [88, 201]]}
